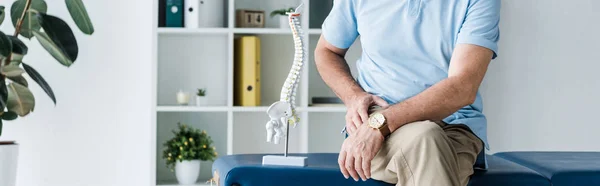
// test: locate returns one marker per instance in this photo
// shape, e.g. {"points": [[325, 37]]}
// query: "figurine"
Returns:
{"points": [[283, 112]]}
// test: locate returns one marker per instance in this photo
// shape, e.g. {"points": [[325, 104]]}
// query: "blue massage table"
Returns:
{"points": [[509, 168], [561, 168]]}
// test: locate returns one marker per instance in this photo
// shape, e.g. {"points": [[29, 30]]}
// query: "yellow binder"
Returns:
{"points": [[247, 71]]}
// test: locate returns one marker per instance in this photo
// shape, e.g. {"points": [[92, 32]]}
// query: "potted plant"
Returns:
{"points": [[30, 19], [201, 97], [283, 17], [185, 151]]}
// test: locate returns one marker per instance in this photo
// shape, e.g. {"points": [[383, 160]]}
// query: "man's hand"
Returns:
{"points": [[357, 152], [358, 108]]}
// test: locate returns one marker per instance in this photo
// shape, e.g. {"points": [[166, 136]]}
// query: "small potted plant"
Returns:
{"points": [[201, 97], [283, 17], [184, 152]]}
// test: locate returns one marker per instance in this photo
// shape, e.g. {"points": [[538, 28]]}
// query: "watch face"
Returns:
{"points": [[376, 120]]}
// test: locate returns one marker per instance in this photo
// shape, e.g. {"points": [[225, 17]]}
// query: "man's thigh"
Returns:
{"points": [[450, 142]]}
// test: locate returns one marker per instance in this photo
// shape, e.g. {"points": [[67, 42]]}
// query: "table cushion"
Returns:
{"points": [[502, 172], [247, 170], [562, 168], [322, 170]]}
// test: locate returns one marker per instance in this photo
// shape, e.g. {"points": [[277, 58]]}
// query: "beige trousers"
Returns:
{"points": [[427, 153]]}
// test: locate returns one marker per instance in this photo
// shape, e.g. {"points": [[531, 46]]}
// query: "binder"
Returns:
{"points": [[162, 10], [247, 71], [192, 13], [174, 13]]}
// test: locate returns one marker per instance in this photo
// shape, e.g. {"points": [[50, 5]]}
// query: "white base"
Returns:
{"points": [[187, 172], [8, 164], [282, 160]]}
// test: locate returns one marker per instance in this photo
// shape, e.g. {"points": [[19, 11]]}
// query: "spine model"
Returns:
{"points": [[283, 112], [288, 91]]}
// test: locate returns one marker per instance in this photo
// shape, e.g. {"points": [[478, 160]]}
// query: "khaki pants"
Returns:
{"points": [[427, 153]]}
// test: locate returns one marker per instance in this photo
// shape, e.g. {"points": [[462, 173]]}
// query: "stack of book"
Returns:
{"points": [[191, 13]]}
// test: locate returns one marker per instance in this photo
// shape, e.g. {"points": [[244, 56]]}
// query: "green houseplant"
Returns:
{"points": [[185, 150], [283, 18], [31, 22], [201, 97]]}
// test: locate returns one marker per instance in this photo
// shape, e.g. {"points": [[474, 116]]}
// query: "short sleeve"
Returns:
{"points": [[339, 28], [480, 26]]}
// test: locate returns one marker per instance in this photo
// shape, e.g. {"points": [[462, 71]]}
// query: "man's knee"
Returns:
{"points": [[421, 131]]}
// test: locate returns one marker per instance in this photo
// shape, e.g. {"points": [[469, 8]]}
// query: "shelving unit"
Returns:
{"points": [[190, 58]]}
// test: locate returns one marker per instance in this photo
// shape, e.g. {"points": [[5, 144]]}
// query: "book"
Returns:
{"points": [[174, 13]]}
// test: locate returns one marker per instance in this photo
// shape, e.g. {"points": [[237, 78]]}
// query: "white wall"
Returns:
{"points": [[543, 91], [99, 132]]}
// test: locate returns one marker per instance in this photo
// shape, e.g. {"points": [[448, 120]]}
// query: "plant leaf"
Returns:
{"points": [[16, 58], [30, 22], [11, 70], [80, 16], [2, 14], [3, 93], [20, 99], [49, 45], [18, 47], [10, 115], [61, 35], [20, 80], [37, 77], [0, 127], [5, 45]]}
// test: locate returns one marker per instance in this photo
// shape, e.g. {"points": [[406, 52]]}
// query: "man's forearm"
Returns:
{"points": [[467, 70], [336, 74], [435, 103]]}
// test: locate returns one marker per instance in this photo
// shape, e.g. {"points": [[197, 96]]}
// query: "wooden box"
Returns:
{"points": [[249, 18]]}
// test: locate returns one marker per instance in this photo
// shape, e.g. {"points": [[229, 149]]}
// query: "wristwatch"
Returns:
{"points": [[378, 122]]}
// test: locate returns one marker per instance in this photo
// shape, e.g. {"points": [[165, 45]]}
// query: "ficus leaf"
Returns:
{"points": [[40, 81], [20, 99], [18, 47], [5, 45], [80, 16], [49, 45], [11, 70], [30, 22], [10, 115], [16, 58], [2, 14], [20, 80], [3, 94], [59, 32]]}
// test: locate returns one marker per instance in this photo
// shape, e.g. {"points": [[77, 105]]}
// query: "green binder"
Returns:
{"points": [[174, 13]]}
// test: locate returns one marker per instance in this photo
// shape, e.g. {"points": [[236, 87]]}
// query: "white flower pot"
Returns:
{"points": [[187, 172], [8, 164], [284, 22], [201, 101]]}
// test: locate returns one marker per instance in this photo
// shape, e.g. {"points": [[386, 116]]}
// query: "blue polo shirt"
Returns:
{"points": [[407, 46]]}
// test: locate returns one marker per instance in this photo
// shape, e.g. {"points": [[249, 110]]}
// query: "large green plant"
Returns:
{"points": [[30, 20], [188, 144]]}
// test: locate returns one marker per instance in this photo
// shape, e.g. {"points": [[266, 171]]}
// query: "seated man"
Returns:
{"points": [[422, 63]]}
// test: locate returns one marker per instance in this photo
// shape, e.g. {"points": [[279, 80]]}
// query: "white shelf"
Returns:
{"points": [[314, 31], [177, 184], [193, 30], [191, 109], [261, 31], [186, 58], [244, 109], [326, 109]]}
